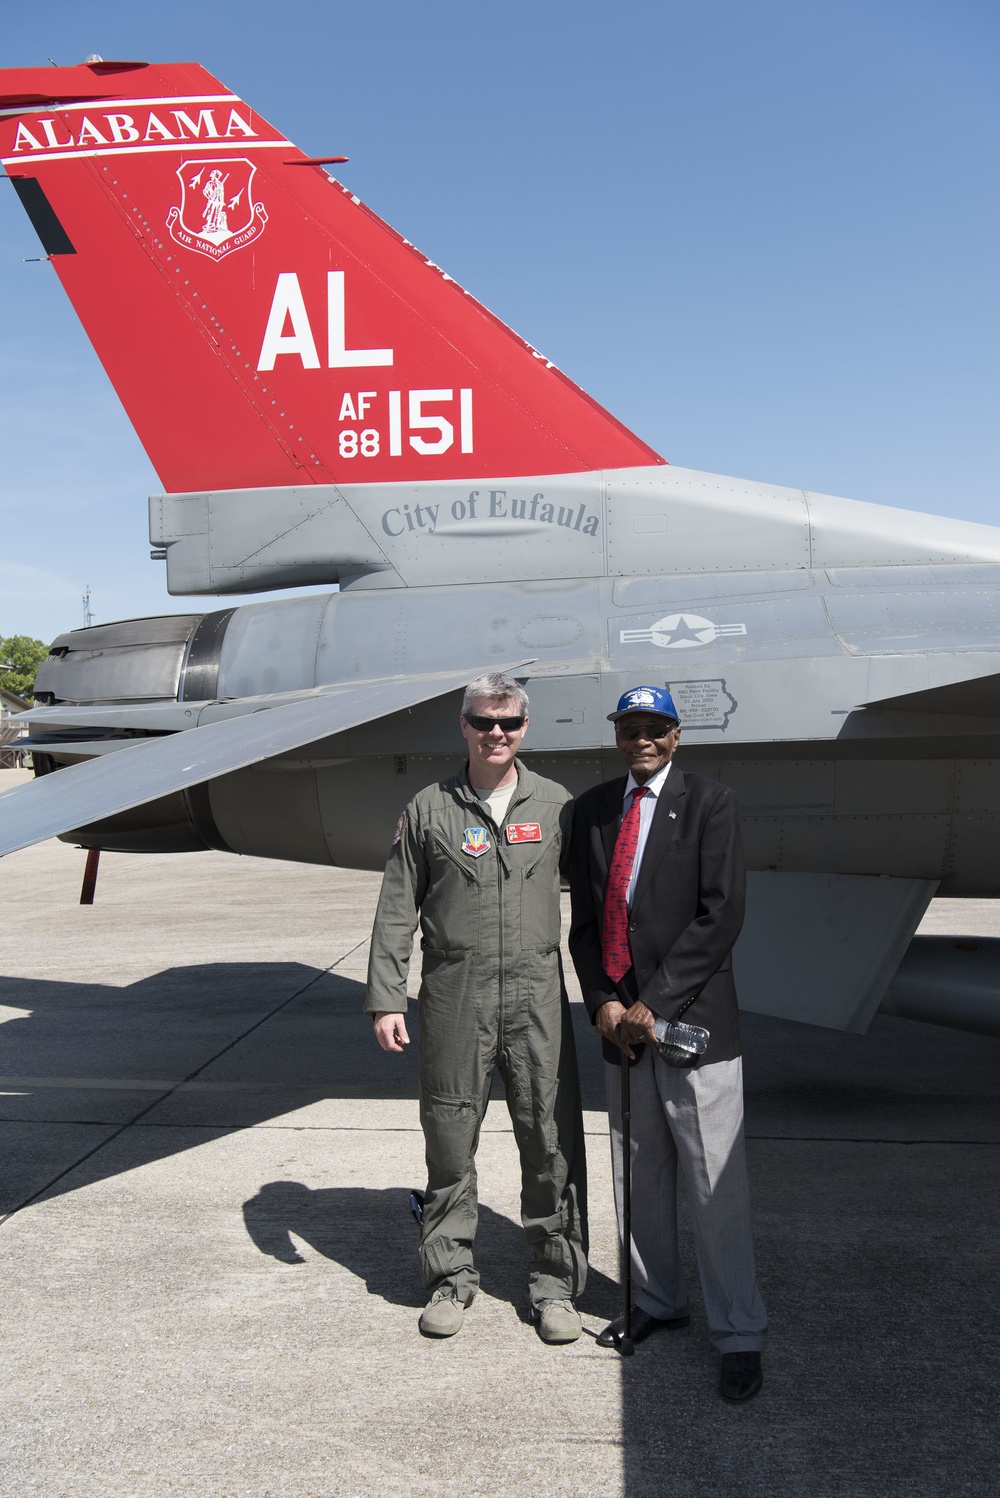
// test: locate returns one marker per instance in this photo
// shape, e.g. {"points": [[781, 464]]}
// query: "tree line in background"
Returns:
{"points": [[23, 656]]}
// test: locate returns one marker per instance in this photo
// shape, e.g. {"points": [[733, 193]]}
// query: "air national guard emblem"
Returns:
{"points": [[217, 213], [476, 842]]}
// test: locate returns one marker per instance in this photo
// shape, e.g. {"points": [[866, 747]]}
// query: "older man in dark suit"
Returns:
{"points": [[658, 893]]}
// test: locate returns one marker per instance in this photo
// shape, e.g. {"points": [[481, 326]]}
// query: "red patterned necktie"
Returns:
{"points": [[616, 954]]}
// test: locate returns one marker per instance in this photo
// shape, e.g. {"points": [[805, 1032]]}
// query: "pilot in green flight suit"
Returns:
{"points": [[476, 859]]}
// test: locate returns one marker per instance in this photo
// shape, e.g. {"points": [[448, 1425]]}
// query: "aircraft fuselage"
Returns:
{"points": [[777, 674]]}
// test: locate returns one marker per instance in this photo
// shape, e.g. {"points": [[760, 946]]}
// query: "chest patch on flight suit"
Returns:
{"points": [[476, 842], [524, 832]]}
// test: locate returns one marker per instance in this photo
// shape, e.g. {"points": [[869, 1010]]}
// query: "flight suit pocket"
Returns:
{"points": [[452, 906], [445, 976], [442, 854], [540, 923], [450, 1065], [450, 1123]]}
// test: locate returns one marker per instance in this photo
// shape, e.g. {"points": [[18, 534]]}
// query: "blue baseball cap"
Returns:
{"points": [[645, 700]]}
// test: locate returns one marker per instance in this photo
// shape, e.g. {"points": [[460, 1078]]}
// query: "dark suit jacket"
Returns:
{"points": [[686, 913]]}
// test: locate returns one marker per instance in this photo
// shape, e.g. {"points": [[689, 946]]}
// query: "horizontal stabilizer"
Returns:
{"points": [[103, 787], [164, 716]]}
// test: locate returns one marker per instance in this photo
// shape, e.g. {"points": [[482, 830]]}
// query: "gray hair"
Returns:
{"points": [[494, 686]]}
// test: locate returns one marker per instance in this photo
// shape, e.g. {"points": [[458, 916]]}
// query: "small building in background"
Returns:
{"points": [[10, 731]]}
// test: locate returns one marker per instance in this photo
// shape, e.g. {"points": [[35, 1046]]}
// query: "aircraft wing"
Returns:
{"points": [[112, 783]]}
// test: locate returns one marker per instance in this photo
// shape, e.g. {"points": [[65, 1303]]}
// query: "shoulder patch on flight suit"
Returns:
{"points": [[399, 828], [476, 841], [524, 832]]}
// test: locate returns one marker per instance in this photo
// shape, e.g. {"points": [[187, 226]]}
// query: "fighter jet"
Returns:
{"points": [[324, 405]]}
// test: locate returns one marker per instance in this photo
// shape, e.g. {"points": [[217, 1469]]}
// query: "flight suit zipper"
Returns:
{"points": [[501, 945], [501, 934], [515, 800]]}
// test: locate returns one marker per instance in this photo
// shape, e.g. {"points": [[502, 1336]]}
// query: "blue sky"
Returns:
{"points": [[762, 232]]}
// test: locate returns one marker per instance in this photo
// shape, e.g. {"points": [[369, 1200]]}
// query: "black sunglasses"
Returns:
{"points": [[487, 725], [641, 731]]}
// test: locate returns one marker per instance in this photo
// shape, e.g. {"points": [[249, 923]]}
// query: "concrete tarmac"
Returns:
{"points": [[208, 1267]]}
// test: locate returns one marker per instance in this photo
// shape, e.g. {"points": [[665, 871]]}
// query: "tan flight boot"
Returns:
{"points": [[442, 1315]]}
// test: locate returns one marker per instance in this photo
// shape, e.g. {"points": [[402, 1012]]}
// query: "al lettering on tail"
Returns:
{"points": [[261, 326]]}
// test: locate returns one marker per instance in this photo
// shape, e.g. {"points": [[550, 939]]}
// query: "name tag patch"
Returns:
{"points": [[476, 842], [524, 832]]}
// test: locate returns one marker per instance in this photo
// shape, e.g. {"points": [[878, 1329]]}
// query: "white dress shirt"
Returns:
{"points": [[647, 806]]}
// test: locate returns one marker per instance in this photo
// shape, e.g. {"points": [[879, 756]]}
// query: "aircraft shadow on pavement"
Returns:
{"points": [[372, 1233], [210, 1048]]}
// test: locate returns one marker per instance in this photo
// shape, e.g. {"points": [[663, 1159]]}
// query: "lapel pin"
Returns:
{"points": [[673, 815]]}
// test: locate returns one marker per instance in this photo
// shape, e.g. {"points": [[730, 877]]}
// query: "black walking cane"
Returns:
{"points": [[623, 1342]]}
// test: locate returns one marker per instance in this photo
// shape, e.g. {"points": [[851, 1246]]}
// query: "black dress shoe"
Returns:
{"points": [[742, 1376], [643, 1326]]}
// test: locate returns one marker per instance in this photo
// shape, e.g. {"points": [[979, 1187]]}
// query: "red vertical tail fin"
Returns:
{"points": [[260, 324]]}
